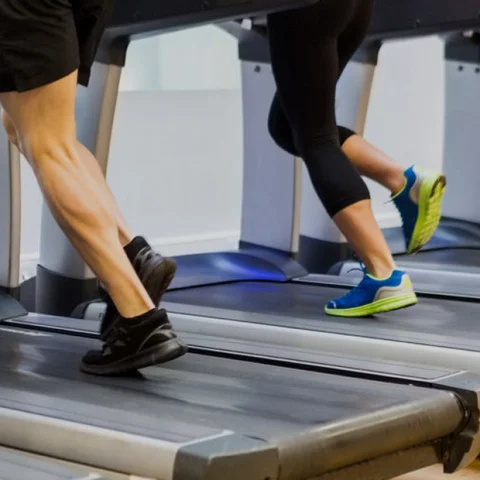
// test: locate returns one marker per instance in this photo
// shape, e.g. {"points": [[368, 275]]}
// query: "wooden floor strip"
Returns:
{"points": [[435, 473]]}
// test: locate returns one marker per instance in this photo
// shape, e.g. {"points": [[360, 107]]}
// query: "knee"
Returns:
{"points": [[10, 129], [313, 143], [41, 149]]}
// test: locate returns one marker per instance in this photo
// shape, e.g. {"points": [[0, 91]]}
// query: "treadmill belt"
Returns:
{"points": [[443, 323], [145, 424]]}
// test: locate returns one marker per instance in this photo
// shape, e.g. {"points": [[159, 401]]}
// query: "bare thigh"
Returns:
{"points": [[43, 118]]}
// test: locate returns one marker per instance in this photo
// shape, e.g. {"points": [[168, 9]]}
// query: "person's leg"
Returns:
{"points": [[87, 159], [372, 162], [305, 63], [81, 206], [417, 193], [124, 231], [368, 160], [142, 335]]}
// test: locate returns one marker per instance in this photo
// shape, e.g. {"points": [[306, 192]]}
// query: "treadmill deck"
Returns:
{"points": [[245, 417]]}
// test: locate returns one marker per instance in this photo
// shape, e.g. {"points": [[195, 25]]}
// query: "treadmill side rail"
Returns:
{"points": [[464, 446]]}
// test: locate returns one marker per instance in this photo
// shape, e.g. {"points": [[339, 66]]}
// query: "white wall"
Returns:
{"points": [[203, 58], [176, 168], [177, 143]]}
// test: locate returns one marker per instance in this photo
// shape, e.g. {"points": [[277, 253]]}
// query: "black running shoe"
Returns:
{"points": [[132, 345], [155, 272]]}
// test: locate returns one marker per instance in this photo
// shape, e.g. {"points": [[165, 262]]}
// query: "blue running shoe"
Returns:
{"points": [[373, 296], [420, 206]]}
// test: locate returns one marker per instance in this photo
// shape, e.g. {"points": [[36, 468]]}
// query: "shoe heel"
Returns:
{"points": [[430, 211], [166, 270]]}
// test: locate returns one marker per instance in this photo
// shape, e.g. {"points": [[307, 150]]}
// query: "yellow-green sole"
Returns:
{"points": [[429, 212], [380, 306]]}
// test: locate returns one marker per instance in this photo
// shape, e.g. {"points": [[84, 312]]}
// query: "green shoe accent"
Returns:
{"points": [[380, 306], [430, 199]]}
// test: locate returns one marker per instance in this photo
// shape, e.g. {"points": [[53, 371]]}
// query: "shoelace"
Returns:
{"points": [[361, 267]]}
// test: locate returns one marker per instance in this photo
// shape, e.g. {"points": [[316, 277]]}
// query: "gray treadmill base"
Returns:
{"points": [[201, 418], [249, 263]]}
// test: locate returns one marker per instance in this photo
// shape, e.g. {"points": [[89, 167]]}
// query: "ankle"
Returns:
{"points": [[382, 273], [142, 316], [134, 247], [396, 182], [380, 269]]}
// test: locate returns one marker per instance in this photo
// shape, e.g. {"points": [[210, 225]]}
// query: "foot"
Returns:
{"points": [[419, 204], [155, 272], [135, 344], [373, 296]]}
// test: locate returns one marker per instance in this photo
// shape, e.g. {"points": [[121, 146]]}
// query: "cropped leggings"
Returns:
{"points": [[310, 47]]}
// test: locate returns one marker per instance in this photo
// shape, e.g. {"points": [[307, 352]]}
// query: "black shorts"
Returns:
{"points": [[42, 41]]}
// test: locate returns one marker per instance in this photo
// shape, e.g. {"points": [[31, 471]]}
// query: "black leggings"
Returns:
{"points": [[310, 47]]}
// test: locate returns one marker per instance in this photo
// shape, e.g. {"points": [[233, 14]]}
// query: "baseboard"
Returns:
{"points": [[28, 265], [202, 243], [171, 246]]}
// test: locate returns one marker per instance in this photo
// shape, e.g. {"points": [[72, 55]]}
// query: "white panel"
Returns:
{"points": [[462, 149], [271, 187], [176, 167]]}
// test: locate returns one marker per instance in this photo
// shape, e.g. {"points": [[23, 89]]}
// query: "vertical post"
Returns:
{"points": [[10, 213], [63, 279], [272, 178]]}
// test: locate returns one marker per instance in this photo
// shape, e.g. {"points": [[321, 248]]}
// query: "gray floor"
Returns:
{"points": [[443, 323]]}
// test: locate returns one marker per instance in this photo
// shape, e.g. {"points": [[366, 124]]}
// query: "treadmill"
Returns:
{"points": [[205, 418], [259, 294], [213, 414]]}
